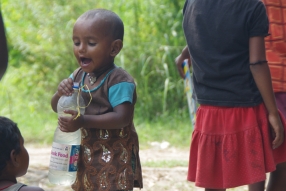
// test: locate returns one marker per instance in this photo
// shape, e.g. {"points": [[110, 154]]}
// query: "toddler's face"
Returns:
{"points": [[92, 47]]}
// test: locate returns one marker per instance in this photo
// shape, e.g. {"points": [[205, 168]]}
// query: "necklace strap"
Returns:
{"points": [[92, 78]]}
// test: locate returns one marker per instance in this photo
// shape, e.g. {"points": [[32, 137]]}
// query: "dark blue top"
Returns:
{"points": [[217, 34]]}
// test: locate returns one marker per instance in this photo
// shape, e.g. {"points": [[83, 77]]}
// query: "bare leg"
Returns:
{"points": [[277, 180], [259, 186], [207, 189]]}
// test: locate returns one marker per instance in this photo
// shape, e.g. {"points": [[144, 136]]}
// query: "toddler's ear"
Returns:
{"points": [[116, 46], [14, 158]]}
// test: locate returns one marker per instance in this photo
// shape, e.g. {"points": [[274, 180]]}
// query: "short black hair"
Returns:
{"points": [[116, 25], [9, 140]]}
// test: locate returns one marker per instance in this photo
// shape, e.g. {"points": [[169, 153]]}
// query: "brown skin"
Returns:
{"points": [[277, 179], [262, 77], [91, 41], [180, 59], [119, 118], [16, 167]]}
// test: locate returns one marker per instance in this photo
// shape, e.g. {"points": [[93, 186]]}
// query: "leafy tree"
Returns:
{"points": [[40, 54]]}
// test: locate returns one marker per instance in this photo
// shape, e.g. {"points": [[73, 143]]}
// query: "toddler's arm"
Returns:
{"points": [[179, 60], [120, 97], [64, 88], [120, 117], [262, 77]]}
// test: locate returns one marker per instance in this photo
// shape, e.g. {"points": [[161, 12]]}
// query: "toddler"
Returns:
{"points": [[109, 156]]}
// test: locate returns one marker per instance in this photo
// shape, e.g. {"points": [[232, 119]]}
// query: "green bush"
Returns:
{"points": [[40, 56]]}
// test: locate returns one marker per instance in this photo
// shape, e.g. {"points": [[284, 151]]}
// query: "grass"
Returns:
{"points": [[165, 163], [174, 130]]}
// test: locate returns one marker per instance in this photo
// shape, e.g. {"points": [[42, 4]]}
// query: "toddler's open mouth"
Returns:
{"points": [[85, 61]]}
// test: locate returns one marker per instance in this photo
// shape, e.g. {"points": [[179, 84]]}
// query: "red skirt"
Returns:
{"points": [[232, 146]]}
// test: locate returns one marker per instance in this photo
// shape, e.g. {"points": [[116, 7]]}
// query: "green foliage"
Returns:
{"points": [[175, 130], [40, 51]]}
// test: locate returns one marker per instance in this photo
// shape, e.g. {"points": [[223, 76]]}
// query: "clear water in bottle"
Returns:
{"points": [[66, 146]]}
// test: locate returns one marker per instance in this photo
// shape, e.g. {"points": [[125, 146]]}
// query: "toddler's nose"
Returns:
{"points": [[82, 48]]}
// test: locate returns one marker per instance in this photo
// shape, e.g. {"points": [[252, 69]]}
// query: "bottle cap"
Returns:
{"points": [[76, 85], [184, 63]]}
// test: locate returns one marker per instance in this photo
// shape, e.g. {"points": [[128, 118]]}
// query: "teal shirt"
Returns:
{"points": [[117, 94]]}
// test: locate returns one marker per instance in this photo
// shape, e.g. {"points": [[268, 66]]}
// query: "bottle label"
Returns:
{"points": [[64, 157]]}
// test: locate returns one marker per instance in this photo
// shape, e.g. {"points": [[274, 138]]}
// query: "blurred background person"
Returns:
{"points": [[3, 48]]}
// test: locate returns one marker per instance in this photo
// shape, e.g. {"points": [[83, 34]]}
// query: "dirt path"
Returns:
{"points": [[154, 179]]}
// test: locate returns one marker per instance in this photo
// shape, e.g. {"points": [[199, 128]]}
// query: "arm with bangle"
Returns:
{"points": [[261, 74]]}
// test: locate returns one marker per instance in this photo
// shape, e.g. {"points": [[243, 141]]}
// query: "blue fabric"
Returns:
{"points": [[71, 76], [91, 90], [101, 82], [120, 93]]}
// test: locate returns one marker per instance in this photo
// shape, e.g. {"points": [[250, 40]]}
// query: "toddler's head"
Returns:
{"points": [[14, 158], [98, 38]]}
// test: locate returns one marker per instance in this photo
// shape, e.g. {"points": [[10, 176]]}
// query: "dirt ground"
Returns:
{"points": [[154, 179]]}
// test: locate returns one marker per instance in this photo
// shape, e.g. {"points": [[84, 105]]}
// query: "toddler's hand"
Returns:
{"points": [[65, 87], [277, 130], [69, 123]]}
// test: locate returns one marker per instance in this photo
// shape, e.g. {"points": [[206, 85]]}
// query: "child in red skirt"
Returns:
{"points": [[239, 132]]}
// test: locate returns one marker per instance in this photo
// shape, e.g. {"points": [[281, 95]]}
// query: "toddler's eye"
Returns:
{"points": [[76, 43], [91, 44]]}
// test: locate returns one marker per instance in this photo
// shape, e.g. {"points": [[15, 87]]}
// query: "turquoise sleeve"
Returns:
{"points": [[71, 76], [120, 93]]}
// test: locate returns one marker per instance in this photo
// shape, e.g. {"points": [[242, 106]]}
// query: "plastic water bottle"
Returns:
{"points": [[66, 146]]}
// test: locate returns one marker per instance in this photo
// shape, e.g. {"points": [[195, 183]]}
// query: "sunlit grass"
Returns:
{"points": [[165, 163], [175, 131]]}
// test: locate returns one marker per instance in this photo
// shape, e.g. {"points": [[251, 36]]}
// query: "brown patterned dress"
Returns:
{"points": [[109, 159]]}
